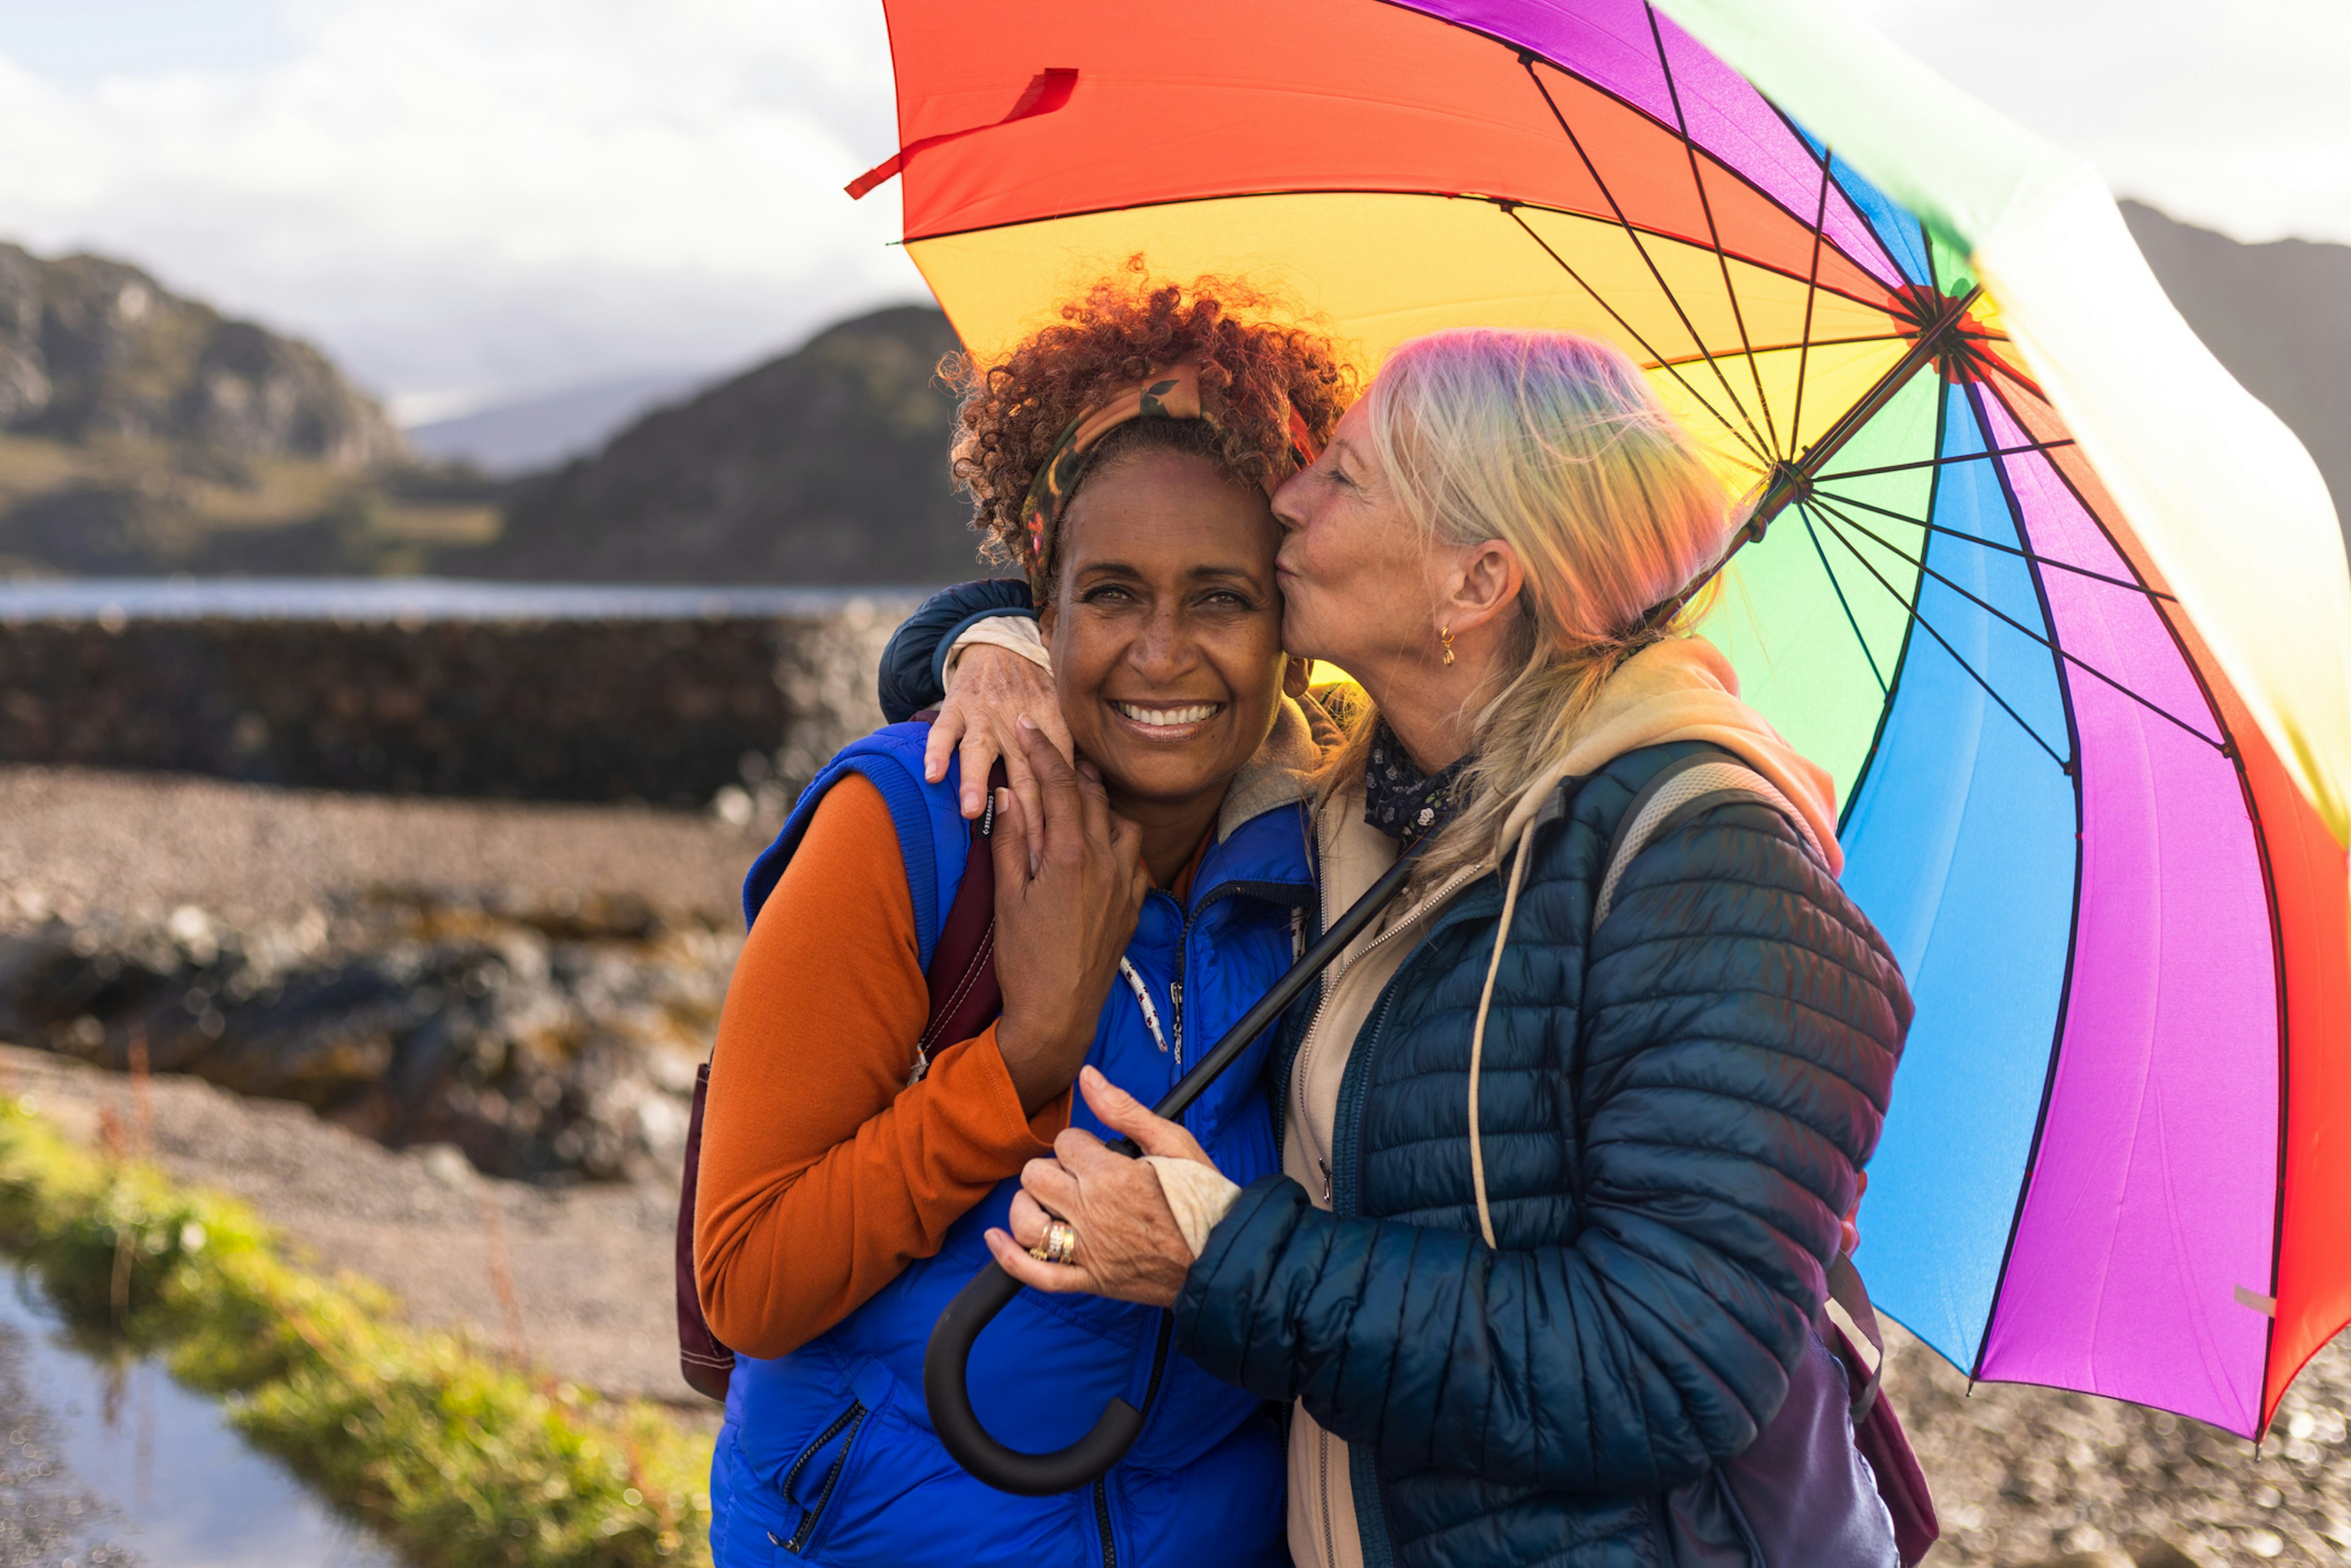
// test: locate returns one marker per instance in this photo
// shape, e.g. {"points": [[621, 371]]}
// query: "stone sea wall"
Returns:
{"points": [[668, 711]]}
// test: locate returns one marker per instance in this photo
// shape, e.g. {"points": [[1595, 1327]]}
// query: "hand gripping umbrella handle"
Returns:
{"points": [[946, 1390], [946, 1364]]}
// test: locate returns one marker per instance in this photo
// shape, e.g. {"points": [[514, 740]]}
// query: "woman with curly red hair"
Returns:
{"points": [[851, 1166]]}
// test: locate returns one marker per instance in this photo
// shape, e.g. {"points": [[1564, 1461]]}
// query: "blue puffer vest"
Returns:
{"points": [[826, 1455], [1672, 1109]]}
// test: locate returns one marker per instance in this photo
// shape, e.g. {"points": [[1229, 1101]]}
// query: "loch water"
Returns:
{"points": [[106, 1462]]}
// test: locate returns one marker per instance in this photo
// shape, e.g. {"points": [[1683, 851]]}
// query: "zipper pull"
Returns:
{"points": [[1175, 1001], [1326, 1179]]}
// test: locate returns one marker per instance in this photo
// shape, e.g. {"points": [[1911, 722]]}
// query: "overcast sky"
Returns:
{"points": [[463, 199]]}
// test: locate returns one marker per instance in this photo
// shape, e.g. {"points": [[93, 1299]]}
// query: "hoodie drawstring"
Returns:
{"points": [[1478, 1033], [1142, 999]]}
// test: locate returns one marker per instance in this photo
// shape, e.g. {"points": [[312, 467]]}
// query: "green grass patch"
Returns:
{"points": [[453, 1456]]}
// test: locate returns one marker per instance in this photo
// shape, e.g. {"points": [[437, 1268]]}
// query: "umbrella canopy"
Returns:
{"points": [[2062, 609]]}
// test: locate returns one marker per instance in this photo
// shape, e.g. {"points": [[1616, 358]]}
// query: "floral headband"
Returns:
{"points": [[1171, 394]]}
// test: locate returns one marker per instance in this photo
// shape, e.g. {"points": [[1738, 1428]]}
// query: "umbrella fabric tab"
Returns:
{"points": [[1048, 90]]}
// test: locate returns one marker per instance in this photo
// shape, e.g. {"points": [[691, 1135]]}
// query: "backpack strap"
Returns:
{"points": [[1682, 788], [1851, 1298]]}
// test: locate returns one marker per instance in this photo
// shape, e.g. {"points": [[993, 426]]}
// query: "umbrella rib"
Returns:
{"points": [[1528, 56], [1526, 60], [1943, 462], [1918, 619], [1812, 293], [1714, 233], [1658, 359], [1830, 510], [2005, 550], [1850, 618], [2007, 371], [1827, 157], [1862, 774], [1819, 343]]}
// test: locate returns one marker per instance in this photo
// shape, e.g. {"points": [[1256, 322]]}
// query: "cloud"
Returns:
{"points": [[463, 198], [2235, 116], [460, 195]]}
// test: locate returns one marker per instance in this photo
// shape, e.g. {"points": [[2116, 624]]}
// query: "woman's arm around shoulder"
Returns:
{"points": [[1738, 1027], [913, 675]]}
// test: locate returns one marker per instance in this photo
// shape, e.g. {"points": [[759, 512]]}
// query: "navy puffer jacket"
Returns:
{"points": [[1671, 1124]]}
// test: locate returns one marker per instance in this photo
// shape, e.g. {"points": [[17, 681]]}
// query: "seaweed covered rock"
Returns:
{"points": [[546, 1039]]}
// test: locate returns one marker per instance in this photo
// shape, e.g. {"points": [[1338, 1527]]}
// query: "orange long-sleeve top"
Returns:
{"points": [[824, 1171]]}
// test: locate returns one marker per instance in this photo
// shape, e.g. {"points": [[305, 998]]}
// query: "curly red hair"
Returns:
{"points": [[1253, 372]]}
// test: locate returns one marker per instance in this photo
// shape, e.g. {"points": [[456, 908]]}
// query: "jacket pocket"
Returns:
{"points": [[819, 1465]]}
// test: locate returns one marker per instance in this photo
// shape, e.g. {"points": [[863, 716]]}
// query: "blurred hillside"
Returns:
{"points": [[143, 431], [2278, 315], [826, 465], [95, 349], [525, 434]]}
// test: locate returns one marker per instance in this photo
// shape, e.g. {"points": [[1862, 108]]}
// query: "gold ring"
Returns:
{"points": [[1060, 1246]]}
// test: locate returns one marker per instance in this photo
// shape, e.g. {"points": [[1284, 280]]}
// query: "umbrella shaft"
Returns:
{"points": [[1792, 479]]}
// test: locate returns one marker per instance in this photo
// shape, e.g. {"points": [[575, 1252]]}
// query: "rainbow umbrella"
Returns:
{"points": [[2063, 609]]}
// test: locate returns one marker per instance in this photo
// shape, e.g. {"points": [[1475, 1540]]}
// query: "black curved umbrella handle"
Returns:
{"points": [[946, 1390], [946, 1363]]}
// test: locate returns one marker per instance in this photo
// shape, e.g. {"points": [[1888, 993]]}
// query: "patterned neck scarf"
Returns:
{"points": [[1171, 394], [1401, 801]]}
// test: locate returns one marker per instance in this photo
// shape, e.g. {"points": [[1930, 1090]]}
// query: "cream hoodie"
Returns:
{"points": [[1673, 691]]}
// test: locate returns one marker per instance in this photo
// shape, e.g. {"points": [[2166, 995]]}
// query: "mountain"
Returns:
{"points": [[826, 465], [2278, 316], [535, 433], [143, 432], [91, 349]]}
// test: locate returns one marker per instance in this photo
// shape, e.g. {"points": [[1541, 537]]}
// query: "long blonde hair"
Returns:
{"points": [[1554, 444]]}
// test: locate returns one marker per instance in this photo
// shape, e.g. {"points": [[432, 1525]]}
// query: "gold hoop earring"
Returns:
{"points": [[1445, 640]]}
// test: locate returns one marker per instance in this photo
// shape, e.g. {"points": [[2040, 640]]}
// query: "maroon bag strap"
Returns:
{"points": [[707, 1365], [1876, 1431], [961, 976], [963, 997]]}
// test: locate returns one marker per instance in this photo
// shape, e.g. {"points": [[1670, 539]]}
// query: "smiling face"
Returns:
{"points": [[1166, 627]]}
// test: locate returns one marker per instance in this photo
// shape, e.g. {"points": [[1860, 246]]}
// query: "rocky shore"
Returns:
{"points": [[542, 1040], [542, 1017]]}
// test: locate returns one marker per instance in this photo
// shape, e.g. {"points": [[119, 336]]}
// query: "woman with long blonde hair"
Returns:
{"points": [[1570, 1133]]}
